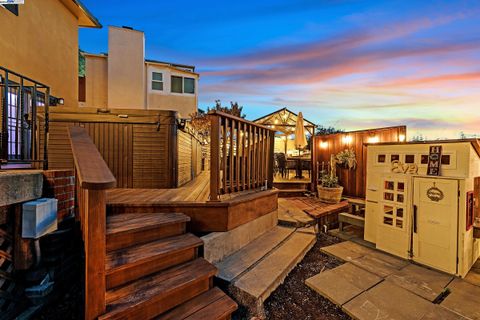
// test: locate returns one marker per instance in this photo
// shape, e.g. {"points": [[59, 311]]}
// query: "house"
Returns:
{"points": [[124, 79], [40, 41]]}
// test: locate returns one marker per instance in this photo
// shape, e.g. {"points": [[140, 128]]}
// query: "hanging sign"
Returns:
{"points": [[434, 161], [435, 194]]}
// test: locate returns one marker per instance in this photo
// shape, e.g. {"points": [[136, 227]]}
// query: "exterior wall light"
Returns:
{"points": [[401, 138], [374, 139], [347, 139], [323, 144]]}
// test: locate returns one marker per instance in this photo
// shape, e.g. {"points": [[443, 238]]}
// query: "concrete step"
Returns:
{"points": [[239, 262], [254, 285]]}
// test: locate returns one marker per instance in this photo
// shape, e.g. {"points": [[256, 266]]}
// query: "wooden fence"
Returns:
{"points": [[241, 155], [353, 181], [143, 149], [93, 178]]}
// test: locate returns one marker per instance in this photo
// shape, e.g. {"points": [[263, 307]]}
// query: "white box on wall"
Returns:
{"points": [[39, 217]]}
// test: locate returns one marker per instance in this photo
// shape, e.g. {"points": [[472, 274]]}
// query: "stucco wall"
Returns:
{"points": [[96, 82], [126, 72], [42, 43]]}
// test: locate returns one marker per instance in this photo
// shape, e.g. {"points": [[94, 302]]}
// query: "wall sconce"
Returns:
{"points": [[323, 145], [181, 123], [401, 138], [373, 139], [347, 139]]}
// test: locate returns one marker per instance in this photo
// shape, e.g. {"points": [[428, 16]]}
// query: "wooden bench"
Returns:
{"points": [[349, 218]]}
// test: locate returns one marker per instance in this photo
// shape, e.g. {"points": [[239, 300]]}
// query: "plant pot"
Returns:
{"points": [[330, 195]]}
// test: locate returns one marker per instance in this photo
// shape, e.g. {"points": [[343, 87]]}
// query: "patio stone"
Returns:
{"points": [[440, 312], [380, 264], [464, 298], [347, 250], [473, 276], [426, 283], [342, 283], [387, 301]]}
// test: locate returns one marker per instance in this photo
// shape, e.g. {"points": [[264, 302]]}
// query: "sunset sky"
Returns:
{"points": [[348, 64]]}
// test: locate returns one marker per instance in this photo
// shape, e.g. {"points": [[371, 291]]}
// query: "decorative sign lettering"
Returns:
{"points": [[406, 168], [434, 161], [435, 194]]}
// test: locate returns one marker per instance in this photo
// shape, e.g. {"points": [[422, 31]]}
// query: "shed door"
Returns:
{"points": [[435, 218]]}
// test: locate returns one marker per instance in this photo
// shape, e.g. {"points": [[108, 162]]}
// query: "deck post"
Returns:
{"points": [[214, 156], [271, 160]]}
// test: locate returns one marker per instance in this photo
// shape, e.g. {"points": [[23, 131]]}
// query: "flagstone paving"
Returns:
{"points": [[374, 285], [343, 283], [426, 283], [464, 298]]}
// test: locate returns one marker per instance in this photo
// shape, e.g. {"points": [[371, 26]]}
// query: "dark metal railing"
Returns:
{"points": [[19, 131]]}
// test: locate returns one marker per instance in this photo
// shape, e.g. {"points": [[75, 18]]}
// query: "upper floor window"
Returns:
{"points": [[183, 85], [13, 8], [157, 81]]}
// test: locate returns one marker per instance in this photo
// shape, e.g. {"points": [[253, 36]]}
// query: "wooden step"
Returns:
{"points": [[124, 230], [153, 295], [237, 263], [125, 265], [290, 193], [211, 305]]}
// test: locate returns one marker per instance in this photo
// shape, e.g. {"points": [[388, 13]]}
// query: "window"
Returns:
{"points": [[183, 85], [424, 159], [381, 158], [177, 84], [157, 81], [394, 157], [410, 158], [446, 159], [13, 8], [189, 85]]}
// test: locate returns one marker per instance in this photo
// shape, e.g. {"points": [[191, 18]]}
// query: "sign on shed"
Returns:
{"points": [[434, 160]]}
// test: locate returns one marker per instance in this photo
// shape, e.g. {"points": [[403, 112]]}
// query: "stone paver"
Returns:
{"points": [[427, 283], [473, 276], [464, 298], [347, 250], [387, 301], [380, 264], [440, 313], [342, 283]]}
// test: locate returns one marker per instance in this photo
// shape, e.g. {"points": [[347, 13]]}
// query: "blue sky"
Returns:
{"points": [[349, 64]]}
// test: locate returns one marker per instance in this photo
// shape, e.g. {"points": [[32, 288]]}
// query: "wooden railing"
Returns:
{"points": [[93, 177], [241, 155]]}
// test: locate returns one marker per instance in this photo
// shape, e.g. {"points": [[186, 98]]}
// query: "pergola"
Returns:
{"points": [[284, 120]]}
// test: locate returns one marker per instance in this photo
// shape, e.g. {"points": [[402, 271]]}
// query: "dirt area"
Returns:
{"points": [[293, 300]]}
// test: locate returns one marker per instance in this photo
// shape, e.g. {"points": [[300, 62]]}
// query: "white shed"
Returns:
{"points": [[422, 200]]}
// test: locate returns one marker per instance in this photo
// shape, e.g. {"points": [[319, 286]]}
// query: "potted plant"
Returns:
{"points": [[329, 190], [347, 159]]}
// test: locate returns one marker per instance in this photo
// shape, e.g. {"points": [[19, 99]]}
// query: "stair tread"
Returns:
{"points": [[160, 284], [235, 264], [267, 275], [137, 221], [131, 255], [213, 304]]}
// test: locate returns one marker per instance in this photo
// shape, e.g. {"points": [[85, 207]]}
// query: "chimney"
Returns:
{"points": [[126, 68]]}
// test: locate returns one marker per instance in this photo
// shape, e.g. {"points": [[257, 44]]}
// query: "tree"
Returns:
{"points": [[322, 130], [81, 63], [234, 109], [419, 137]]}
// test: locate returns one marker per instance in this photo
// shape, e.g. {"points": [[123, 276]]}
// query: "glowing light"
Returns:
{"points": [[347, 139], [373, 139], [401, 138], [276, 121], [284, 138], [323, 144]]}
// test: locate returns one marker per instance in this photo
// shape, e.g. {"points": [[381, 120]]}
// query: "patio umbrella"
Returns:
{"points": [[300, 138]]}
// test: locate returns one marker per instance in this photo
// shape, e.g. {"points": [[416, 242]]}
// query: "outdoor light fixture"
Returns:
{"points": [[323, 144], [374, 139], [60, 101], [181, 123], [347, 139], [401, 138]]}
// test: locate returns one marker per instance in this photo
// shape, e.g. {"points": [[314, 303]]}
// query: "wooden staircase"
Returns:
{"points": [[141, 265]]}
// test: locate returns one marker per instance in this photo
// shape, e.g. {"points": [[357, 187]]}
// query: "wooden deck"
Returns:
{"points": [[196, 191], [233, 209]]}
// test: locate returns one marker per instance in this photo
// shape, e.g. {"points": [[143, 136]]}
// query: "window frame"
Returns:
{"points": [[13, 8], [162, 82], [182, 79]]}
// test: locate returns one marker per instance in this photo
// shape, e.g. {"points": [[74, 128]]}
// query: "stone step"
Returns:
{"points": [[256, 284], [239, 262]]}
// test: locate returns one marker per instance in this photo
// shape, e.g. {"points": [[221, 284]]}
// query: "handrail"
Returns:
{"points": [[93, 172], [93, 177], [241, 155]]}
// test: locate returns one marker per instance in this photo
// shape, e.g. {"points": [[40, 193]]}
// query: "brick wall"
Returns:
{"points": [[60, 184]]}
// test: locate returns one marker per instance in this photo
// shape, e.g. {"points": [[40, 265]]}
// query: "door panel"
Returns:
{"points": [[435, 232]]}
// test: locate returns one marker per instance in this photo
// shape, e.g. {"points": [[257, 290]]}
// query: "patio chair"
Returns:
{"points": [[282, 163], [307, 165], [291, 165]]}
